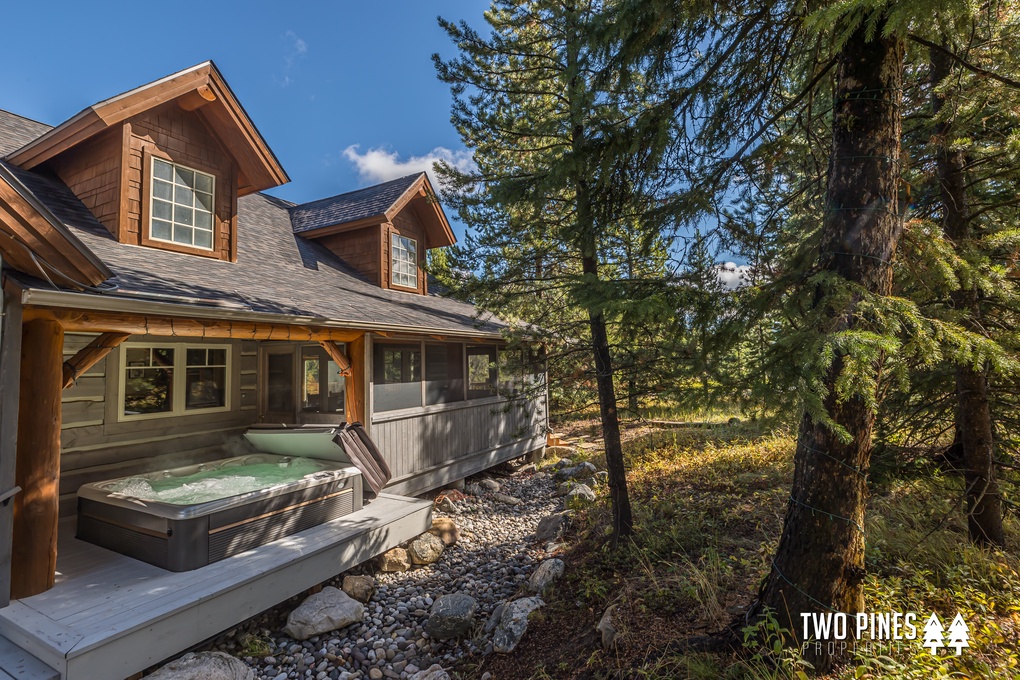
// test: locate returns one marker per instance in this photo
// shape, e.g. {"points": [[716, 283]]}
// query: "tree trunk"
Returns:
{"points": [[819, 564], [973, 411], [623, 521]]}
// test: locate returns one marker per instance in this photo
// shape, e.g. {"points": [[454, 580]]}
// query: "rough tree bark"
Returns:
{"points": [[973, 412], [819, 564]]}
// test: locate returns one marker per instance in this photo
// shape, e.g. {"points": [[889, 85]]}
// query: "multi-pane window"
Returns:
{"points": [[404, 267], [173, 379], [182, 205]]}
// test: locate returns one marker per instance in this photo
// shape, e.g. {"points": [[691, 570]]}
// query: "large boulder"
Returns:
{"points": [[433, 672], [584, 469], [546, 574], [329, 609], [551, 527], [425, 549], [445, 530], [205, 666], [394, 559], [513, 623], [451, 616], [360, 588], [579, 495]]}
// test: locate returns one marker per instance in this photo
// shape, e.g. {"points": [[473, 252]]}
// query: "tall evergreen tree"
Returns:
{"points": [[559, 178]]}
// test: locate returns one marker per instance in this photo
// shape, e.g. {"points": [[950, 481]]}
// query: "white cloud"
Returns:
{"points": [[380, 165], [298, 48], [732, 275]]}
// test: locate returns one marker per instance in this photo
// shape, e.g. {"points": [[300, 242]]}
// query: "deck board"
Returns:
{"points": [[110, 616]]}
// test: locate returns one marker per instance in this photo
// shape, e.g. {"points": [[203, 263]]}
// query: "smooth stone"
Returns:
{"points": [[205, 666], [425, 549], [446, 530], [447, 505], [508, 500], [560, 451], [327, 610], [451, 616], [489, 484], [580, 494]]}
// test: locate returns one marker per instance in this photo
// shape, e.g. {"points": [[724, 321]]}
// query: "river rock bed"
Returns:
{"points": [[493, 560]]}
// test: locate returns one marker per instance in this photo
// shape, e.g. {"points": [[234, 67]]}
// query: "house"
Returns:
{"points": [[156, 304]]}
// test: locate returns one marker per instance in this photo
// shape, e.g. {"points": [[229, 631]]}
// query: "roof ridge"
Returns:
{"points": [[415, 175]]}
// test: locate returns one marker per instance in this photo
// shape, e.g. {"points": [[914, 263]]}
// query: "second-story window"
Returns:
{"points": [[182, 205], [405, 262]]}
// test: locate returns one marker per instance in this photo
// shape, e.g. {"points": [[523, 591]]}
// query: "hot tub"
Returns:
{"points": [[188, 517]]}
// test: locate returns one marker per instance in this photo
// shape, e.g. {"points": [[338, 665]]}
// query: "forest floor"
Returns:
{"points": [[708, 506]]}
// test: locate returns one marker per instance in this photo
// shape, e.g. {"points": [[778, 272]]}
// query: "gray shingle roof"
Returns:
{"points": [[17, 131], [277, 271], [353, 205]]}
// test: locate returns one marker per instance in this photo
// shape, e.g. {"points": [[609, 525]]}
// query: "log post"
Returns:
{"points": [[37, 470]]}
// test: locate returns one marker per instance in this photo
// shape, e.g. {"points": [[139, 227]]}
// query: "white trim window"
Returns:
{"points": [[404, 257], [181, 208], [173, 379]]}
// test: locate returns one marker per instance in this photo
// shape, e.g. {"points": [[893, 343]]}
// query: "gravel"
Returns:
{"points": [[491, 562]]}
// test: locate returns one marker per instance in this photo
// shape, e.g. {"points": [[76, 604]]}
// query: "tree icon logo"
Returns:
{"points": [[933, 638], [959, 634]]}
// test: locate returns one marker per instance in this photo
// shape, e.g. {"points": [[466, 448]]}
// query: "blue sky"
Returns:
{"points": [[344, 92]]}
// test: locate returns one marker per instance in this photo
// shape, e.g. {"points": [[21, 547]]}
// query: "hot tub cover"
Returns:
{"points": [[348, 443]]}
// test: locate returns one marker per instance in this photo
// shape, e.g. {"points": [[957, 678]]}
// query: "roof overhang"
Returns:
{"points": [[419, 197], [201, 89], [85, 302], [34, 241]]}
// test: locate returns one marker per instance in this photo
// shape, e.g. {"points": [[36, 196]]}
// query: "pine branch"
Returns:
{"points": [[964, 63]]}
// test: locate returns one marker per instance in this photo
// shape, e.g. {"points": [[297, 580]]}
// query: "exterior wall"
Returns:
{"points": [[93, 173], [358, 248], [181, 137], [441, 444], [405, 223], [95, 446], [430, 446]]}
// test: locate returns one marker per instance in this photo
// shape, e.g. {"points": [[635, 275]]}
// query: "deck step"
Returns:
{"points": [[17, 664]]}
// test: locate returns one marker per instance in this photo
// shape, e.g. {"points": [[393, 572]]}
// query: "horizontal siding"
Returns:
{"points": [[96, 446], [426, 440]]}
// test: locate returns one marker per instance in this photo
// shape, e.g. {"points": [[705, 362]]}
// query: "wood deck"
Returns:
{"points": [[110, 616]]}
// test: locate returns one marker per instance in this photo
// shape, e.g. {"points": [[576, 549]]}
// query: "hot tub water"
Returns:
{"points": [[214, 483]]}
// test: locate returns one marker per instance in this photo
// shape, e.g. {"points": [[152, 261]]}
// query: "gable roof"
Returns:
{"points": [[200, 88], [370, 202], [17, 131], [374, 205], [277, 274]]}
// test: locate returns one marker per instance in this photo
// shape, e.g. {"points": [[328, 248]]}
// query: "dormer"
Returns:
{"points": [[162, 165], [383, 231]]}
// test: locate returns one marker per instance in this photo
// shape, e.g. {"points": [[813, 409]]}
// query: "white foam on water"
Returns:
{"points": [[215, 483]]}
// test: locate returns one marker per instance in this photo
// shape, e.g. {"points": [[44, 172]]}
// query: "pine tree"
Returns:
{"points": [[560, 177]]}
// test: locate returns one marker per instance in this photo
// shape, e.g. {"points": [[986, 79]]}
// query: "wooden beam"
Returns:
{"points": [[337, 355], [89, 355], [36, 508], [76, 321], [356, 397], [201, 96], [10, 388]]}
